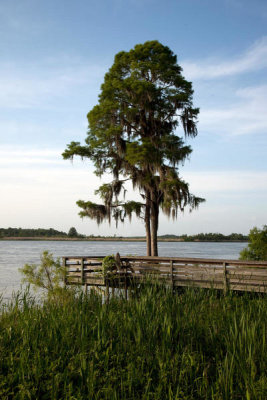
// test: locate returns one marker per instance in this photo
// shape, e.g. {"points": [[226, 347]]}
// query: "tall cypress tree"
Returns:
{"points": [[133, 135]]}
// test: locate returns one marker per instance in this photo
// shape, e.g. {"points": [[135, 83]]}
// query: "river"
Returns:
{"points": [[14, 254]]}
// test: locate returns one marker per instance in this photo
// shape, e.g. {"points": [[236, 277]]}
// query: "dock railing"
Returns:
{"points": [[174, 272]]}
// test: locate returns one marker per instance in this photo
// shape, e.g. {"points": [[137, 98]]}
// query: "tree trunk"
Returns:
{"points": [[154, 225], [147, 223]]}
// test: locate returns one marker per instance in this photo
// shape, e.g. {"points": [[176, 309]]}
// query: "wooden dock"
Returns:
{"points": [[175, 272]]}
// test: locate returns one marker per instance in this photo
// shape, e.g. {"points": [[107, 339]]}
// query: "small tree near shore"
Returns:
{"points": [[72, 232], [257, 247], [49, 275]]}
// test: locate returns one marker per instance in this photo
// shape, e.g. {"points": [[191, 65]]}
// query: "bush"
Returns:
{"points": [[257, 247], [49, 275], [108, 265]]}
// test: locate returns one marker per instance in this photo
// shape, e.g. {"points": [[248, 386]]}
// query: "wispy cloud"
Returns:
{"points": [[33, 194], [33, 86], [227, 182], [253, 59], [247, 115], [17, 161], [26, 157], [33, 160]]}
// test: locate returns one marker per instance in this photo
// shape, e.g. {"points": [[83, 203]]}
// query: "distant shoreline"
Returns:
{"points": [[115, 239]]}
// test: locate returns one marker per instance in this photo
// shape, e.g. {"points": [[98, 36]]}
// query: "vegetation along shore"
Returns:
{"points": [[192, 345], [159, 344], [53, 234]]}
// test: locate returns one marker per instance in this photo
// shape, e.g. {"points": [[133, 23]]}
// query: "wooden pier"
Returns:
{"points": [[175, 272]]}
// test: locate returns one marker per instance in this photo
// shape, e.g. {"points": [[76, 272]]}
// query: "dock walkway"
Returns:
{"points": [[174, 272]]}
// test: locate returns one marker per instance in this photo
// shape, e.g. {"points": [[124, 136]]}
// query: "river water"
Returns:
{"points": [[14, 254]]}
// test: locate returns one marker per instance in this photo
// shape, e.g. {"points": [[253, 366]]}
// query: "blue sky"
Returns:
{"points": [[54, 55]]}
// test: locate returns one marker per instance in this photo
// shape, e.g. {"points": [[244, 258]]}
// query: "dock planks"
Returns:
{"points": [[175, 272]]}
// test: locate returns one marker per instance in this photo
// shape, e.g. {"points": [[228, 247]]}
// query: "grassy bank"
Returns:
{"points": [[157, 345]]}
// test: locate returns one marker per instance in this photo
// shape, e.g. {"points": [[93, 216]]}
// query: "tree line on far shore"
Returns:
{"points": [[41, 232], [206, 237]]}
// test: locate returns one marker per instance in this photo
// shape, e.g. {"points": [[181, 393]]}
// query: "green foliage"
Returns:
{"points": [[157, 346], [24, 232], [92, 210], [208, 237], [133, 136], [108, 265], [49, 275], [257, 247], [72, 232]]}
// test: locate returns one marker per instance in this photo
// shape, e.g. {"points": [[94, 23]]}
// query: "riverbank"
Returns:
{"points": [[116, 239]]}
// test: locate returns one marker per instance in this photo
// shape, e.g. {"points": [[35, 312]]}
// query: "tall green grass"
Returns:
{"points": [[195, 345]]}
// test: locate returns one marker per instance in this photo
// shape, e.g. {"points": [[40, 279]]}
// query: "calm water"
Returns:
{"points": [[14, 254]]}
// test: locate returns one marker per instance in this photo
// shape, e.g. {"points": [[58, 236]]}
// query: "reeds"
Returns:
{"points": [[157, 345]]}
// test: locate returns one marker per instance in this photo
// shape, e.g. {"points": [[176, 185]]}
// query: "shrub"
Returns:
{"points": [[49, 275], [108, 265], [257, 247]]}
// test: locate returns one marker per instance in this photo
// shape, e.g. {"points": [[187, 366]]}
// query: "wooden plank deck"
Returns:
{"points": [[175, 272]]}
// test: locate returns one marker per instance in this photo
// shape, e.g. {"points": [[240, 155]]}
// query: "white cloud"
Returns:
{"points": [[41, 197], [254, 59], [246, 116], [7, 153], [35, 195], [39, 85], [41, 130], [227, 182], [23, 156], [23, 166]]}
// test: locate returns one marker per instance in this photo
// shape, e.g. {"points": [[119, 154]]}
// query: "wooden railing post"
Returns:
{"points": [[118, 261], [171, 273], [82, 271], [225, 281], [64, 264]]}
